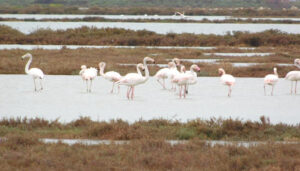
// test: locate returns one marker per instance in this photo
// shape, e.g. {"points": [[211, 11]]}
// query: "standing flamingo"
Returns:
{"points": [[110, 76], [36, 73], [186, 78], [227, 79], [165, 73], [88, 74], [271, 79], [294, 76], [133, 79], [173, 72]]}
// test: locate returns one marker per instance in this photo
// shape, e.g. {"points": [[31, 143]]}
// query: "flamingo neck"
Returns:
{"points": [[138, 70], [146, 71], [102, 70], [275, 72], [28, 64]]}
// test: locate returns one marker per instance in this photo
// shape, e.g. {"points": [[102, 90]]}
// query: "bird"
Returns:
{"points": [[36, 73], [227, 79], [133, 79], [111, 76], [88, 74], [271, 79], [186, 78], [83, 67], [181, 14], [173, 72], [294, 76], [165, 73]]}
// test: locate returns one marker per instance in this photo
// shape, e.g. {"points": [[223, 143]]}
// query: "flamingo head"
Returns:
{"points": [[102, 65], [182, 69], [27, 55], [83, 67], [141, 66], [297, 62], [221, 71], [195, 67], [275, 71], [149, 59], [171, 65], [176, 61]]}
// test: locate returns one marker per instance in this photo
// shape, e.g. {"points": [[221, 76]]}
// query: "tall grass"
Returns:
{"points": [[212, 129], [115, 36]]}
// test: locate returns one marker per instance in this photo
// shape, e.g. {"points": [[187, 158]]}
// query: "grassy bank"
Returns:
{"points": [[68, 61], [114, 36], [27, 153], [213, 129]]}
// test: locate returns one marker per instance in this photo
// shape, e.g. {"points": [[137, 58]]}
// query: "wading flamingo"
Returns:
{"points": [[173, 72], [36, 73], [133, 79], [165, 73], [111, 76], [186, 78], [271, 79], [88, 74], [227, 79], [294, 76]]}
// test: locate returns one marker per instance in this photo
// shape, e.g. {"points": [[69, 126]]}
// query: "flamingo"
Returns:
{"points": [[133, 79], [294, 76], [165, 73], [181, 14], [271, 79], [227, 79], [111, 76], [174, 71], [88, 74], [186, 78], [36, 73]]}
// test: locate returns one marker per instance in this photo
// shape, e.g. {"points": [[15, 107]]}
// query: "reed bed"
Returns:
{"points": [[212, 129]]}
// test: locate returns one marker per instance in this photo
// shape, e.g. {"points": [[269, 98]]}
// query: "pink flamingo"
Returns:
{"points": [[133, 79], [88, 74], [36, 73], [227, 79], [187, 78], [294, 76], [111, 76], [271, 79], [165, 73]]}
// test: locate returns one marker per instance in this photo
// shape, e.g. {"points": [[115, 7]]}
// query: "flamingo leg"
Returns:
{"points": [[184, 93], [291, 87], [112, 90], [34, 84], [128, 91], [180, 89], [272, 90], [187, 89], [132, 92], [87, 85], [265, 89], [41, 83], [91, 85], [164, 84], [158, 80], [229, 92], [118, 89], [296, 88]]}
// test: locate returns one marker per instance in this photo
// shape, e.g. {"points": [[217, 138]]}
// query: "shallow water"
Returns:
{"points": [[172, 142], [65, 98], [126, 17], [161, 28], [238, 54]]}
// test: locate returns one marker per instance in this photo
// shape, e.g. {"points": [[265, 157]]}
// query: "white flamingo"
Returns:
{"points": [[165, 73], [88, 74], [181, 14], [133, 79], [227, 79], [294, 76], [111, 76], [186, 78], [36, 73], [271, 79], [83, 68], [174, 71]]}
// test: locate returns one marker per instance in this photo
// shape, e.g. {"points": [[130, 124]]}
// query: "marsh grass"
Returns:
{"points": [[213, 129], [21, 152]]}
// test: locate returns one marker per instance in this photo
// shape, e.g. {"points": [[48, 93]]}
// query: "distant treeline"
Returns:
{"points": [[58, 9], [116, 36]]}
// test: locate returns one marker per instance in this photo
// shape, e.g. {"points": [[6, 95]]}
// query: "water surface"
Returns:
{"points": [[65, 98]]}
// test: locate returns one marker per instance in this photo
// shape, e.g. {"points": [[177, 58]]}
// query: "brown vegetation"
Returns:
{"points": [[27, 153], [213, 129], [68, 62], [114, 36]]}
